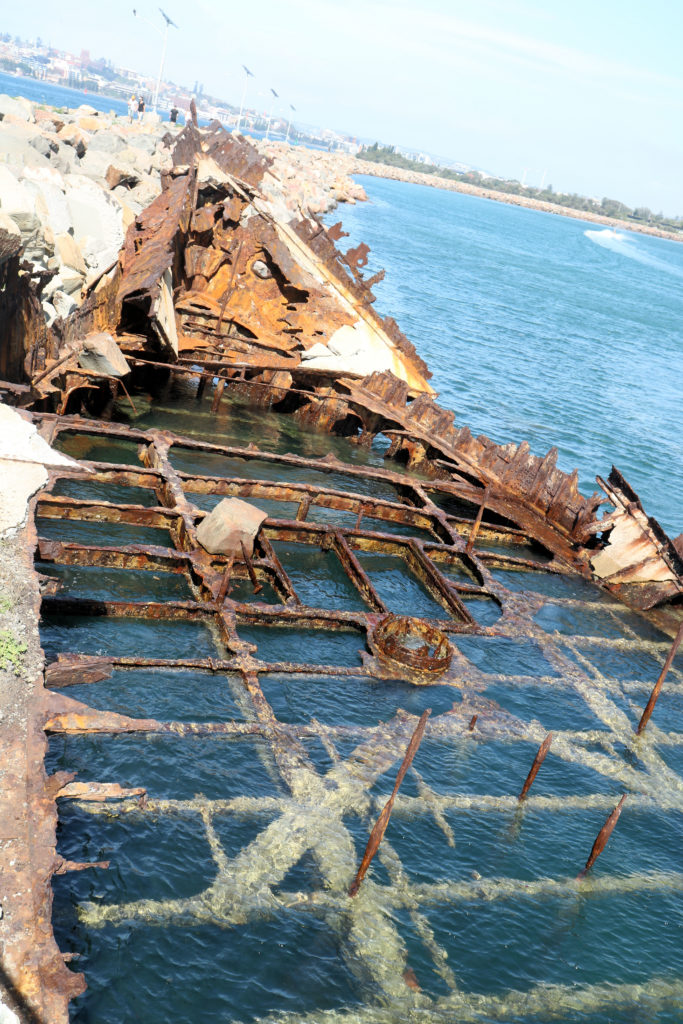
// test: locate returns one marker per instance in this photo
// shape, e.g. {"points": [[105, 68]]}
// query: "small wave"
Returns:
{"points": [[623, 245]]}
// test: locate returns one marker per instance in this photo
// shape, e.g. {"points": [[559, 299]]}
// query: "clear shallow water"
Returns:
{"points": [[539, 327], [181, 957]]}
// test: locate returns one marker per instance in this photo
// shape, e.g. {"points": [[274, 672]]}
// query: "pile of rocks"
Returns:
{"points": [[70, 183], [309, 180]]}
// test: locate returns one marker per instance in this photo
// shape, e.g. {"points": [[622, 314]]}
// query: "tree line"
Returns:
{"points": [[606, 207]]}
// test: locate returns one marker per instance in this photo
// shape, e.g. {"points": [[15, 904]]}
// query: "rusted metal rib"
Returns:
{"points": [[650, 706], [380, 828], [538, 761], [602, 837]]}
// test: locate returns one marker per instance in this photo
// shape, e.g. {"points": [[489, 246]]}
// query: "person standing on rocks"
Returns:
{"points": [[141, 109], [132, 104]]}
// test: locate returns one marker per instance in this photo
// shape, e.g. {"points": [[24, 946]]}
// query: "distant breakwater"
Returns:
{"points": [[353, 165]]}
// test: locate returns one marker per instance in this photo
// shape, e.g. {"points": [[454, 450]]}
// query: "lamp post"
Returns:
{"points": [[164, 34], [248, 74], [270, 116], [289, 122]]}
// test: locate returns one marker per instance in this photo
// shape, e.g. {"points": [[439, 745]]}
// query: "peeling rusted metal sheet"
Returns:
{"points": [[637, 561]]}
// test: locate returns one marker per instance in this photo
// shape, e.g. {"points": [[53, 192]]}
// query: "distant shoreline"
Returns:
{"points": [[447, 184]]}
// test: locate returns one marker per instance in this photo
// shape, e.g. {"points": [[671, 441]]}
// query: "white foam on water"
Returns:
{"points": [[627, 246]]}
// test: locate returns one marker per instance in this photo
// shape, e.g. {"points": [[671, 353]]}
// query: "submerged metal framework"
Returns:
{"points": [[216, 284], [455, 569]]}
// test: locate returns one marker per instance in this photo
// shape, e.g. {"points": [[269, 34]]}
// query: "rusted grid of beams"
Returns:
{"points": [[473, 719]]}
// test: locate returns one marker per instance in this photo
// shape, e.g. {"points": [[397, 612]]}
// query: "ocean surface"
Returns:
{"points": [[539, 327]]}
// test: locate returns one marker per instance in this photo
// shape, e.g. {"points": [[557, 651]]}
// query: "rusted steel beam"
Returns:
{"points": [[284, 584], [650, 706], [380, 828], [477, 522], [250, 566], [533, 771], [58, 507], [168, 610], [354, 570], [152, 559], [435, 583], [603, 837]]}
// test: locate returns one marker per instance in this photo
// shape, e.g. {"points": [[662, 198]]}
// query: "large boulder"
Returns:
{"points": [[232, 522], [94, 164], [44, 146], [47, 187], [19, 108], [68, 253], [100, 354], [48, 119], [145, 143], [73, 136], [62, 304], [96, 219], [120, 173], [18, 202], [136, 158], [107, 142], [17, 145], [66, 160]]}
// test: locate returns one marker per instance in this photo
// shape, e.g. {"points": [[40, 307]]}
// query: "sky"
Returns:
{"points": [[587, 96]]}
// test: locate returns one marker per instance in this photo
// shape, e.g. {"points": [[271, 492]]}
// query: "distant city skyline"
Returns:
{"points": [[588, 96]]}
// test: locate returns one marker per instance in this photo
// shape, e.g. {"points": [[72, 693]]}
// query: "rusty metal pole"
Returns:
{"points": [[602, 837], [473, 722], [380, 828], [645, 718], [250, 569], [538, 761], [225, 583], [477, 522]]}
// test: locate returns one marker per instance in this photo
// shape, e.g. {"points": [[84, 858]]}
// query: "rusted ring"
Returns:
{"points": [[413, 643]]}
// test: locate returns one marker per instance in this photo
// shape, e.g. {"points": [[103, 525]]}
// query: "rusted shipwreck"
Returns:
{"points": [[220, 284]]}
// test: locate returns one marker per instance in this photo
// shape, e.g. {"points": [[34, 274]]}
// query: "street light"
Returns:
{"points": [[248, 74], [289, 122], [270, 116], [163, 49]]}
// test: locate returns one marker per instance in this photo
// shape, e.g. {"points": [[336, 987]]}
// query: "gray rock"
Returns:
{"points": [[97, 221], [16, 147], [232, 522], [72, 281], [63, 304], [136, 158], [50, 313], [65, 160], [261, 269], [43, 146], [120, 173], [20, 108], [52, 286], [144, 192], [145, 143], [107, 142], [100, 354], [94, 164], [68, 253]]}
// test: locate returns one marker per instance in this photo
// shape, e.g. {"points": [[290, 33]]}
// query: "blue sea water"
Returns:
{"points": [[539, 327]]}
